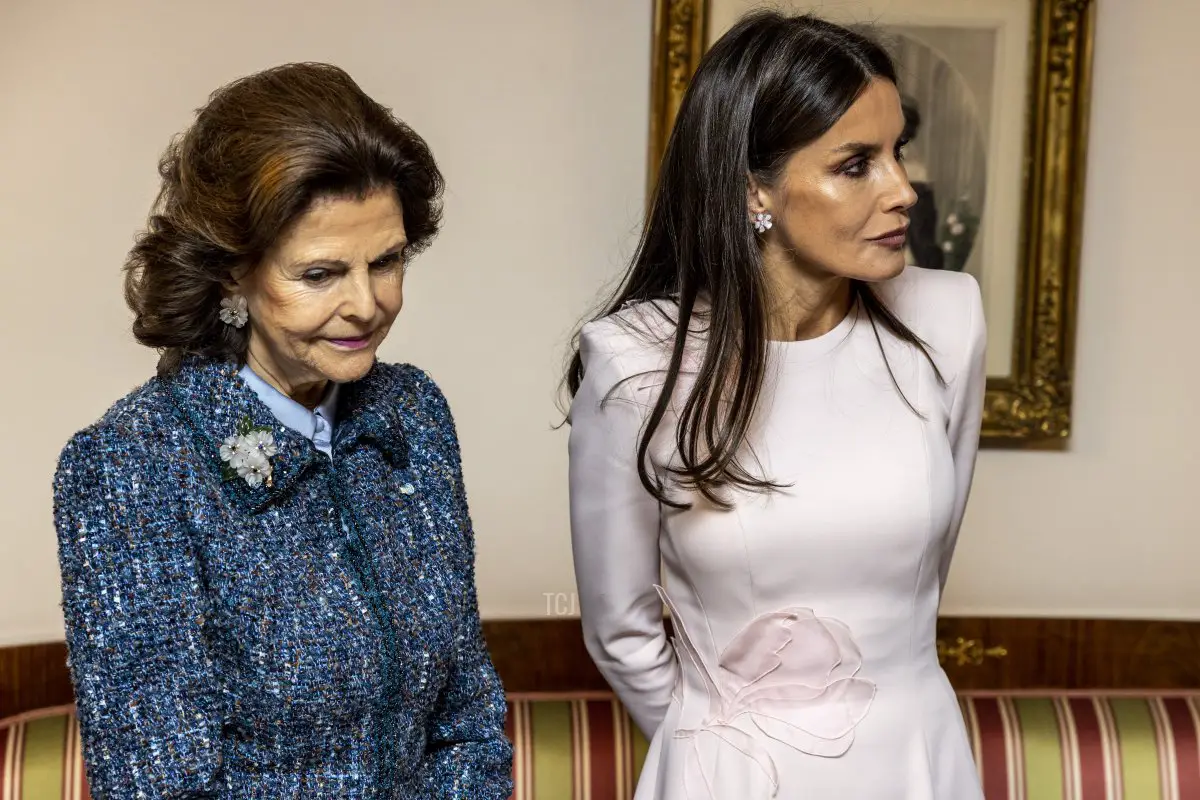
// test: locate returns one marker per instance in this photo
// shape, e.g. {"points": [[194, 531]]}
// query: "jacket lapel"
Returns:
{"points": [[214, 402], [368, 412]]}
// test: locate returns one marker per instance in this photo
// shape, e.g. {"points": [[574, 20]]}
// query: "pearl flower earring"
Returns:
{"points": [[234, 311]]}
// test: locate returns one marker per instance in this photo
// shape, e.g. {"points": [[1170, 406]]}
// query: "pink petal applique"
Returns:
{"points": [[793, 673], [829, 714], [791, 640], [790, 674], [812, 655], [851, 661], [739, 740], [801, 740], [821, 727]]}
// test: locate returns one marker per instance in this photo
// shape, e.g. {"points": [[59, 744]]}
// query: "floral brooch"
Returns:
{"points": [[247, 454]]}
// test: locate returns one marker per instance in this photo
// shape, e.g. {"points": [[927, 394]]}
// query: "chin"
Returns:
{"points": [[880, 269], [349, 367]]}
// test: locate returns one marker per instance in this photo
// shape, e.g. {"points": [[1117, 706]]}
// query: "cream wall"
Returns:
{"points": [[1112, 528], [537, 111]]}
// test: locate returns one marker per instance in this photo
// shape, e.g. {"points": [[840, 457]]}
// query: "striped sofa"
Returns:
{"points": [[1067, 746]]}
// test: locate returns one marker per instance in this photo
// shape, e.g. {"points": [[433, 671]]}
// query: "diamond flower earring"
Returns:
{"points": [[762, 221], [234, 311]]}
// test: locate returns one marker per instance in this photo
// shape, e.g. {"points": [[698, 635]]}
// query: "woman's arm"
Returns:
{"points": [[966, 414], [150, 711], [468, 756], [614, 536]]}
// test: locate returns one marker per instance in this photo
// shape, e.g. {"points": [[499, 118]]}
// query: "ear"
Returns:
{"points": [[234, 284], [758, 199]]}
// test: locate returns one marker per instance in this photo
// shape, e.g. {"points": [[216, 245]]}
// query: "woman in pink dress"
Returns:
{"points": [[774, 429]]}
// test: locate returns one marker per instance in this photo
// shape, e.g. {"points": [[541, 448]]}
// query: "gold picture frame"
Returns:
{"points": [[1030, 406]]}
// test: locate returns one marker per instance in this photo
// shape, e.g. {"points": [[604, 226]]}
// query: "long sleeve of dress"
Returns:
{"points": [[149, 706], [468, 756], [966, 415], [614, 536]]}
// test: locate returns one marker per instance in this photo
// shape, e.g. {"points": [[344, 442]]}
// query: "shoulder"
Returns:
{"points": [[409, 386], [421, 408], [131, 430], [932, 300], [638, 338], [637, 326], [943, 308], [119, 467]]}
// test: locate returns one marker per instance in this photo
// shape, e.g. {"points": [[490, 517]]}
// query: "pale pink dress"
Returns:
{"points": [[804, 664]]}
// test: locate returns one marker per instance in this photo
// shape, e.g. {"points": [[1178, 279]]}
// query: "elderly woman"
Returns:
{"points": [[266, 553]]}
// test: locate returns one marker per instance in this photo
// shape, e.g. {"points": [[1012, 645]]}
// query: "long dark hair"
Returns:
{"points": [[771, 85]]}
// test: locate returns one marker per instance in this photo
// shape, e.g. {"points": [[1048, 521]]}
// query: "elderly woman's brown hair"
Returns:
{"points": [[261, 151]]}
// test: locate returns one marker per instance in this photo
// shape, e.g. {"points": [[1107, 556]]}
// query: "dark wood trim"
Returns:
{"points": [[542, 655], [34, 676], [979, 654], [1073, 654]]}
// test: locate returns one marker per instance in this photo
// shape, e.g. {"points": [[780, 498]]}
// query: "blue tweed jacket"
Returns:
{"points": [[317, 638]]}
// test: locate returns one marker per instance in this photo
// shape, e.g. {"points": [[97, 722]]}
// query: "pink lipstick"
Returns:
{"points": [[893, 240], [351, 344]]}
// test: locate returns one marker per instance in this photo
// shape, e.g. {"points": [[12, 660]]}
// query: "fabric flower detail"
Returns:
{"points": [[234, 311], [795, 675], [234, 451], [254, 469], [788, 675], [261, 441], [247, 454]]}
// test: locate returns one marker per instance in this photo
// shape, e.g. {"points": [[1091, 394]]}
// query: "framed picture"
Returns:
{"points": [[998, 91]]}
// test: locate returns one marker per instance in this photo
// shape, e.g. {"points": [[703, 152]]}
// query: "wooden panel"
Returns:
{"points": [[1074, 654], [548, 655], [33, 676], [542, 655]]}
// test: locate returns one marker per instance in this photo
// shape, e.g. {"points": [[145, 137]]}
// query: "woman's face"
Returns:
{"points": [[840, 207], [325, 296]]}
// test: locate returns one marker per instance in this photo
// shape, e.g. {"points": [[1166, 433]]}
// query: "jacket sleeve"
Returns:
{"points": [[468, 756], [614, 537], [966, 416], [149, 708]]}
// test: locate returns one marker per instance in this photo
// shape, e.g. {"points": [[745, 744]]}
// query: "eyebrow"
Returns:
{"points": [[336, 262], [856, 147]]}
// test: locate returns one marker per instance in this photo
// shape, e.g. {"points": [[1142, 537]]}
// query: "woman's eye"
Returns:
{"points": [[388, 261], [855, 167], [316, 276]]}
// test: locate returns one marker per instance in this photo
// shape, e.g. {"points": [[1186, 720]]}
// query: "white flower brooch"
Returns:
{"points": [[247, 454]]}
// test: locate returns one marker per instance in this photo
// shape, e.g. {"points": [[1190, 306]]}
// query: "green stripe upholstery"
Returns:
{"points": [[39, 757], [1027, 747]]}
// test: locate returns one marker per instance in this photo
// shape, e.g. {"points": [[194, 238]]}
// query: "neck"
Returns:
{"points": [[306, 393], [801, 305]]}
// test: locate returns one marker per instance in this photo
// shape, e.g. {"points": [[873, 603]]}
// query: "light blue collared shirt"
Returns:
{"points": [[315, 425]]}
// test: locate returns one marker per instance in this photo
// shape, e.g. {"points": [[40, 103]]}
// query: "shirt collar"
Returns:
{"points": [[214, 401], [315, 425]]}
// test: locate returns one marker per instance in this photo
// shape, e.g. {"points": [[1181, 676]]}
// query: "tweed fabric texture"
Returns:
{"points": [[317, 637]]}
